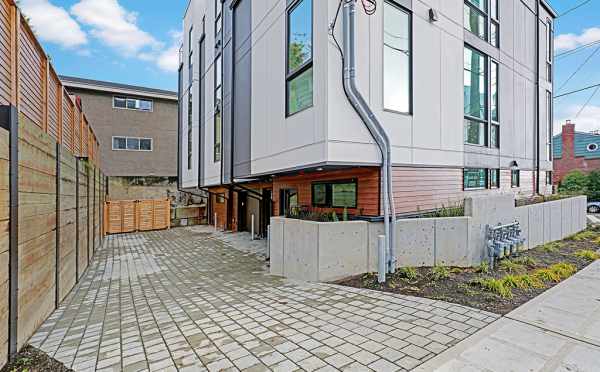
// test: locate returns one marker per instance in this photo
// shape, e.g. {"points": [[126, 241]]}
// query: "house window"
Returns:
{"points": [[548, 178], [592, 147], [191, 57], [494, 178], [481, 18], [189, 129], [482, 113], [299, 79], [218, 127], [475, 178], [549, 48], [218, 18], [129, 103], [396, 58], [515, 178], [132, 143], [475, 97], [335, 194], [550, 114]]}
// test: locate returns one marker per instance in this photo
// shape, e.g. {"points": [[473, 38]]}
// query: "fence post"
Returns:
{"points": [[58, 221], [9, 121], [87, 220], [252, 227], [381, 259]]}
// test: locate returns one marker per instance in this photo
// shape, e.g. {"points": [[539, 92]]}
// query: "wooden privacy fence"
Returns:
{"points": [[28, 81], [51, 186], [125, 216]]}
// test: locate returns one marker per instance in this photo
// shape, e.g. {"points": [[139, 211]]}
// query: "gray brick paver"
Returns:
{"points": [[184, 299]]}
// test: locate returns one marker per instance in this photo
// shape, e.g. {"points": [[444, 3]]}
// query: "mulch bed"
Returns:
{"points": [[31, 359], [462, 286]]}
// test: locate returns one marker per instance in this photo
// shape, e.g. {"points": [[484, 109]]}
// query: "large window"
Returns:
{"points": [[481, 17], [130, 103], [218, 119], [396, 58], [475, 96], [335, 194], [475, 178], [132, 143], [299, 79], [481, 99], [189, 129]]}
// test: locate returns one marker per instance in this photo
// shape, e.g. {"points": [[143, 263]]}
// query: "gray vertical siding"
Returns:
{"points": [[227, 140], [202, 113], [242, 85]]}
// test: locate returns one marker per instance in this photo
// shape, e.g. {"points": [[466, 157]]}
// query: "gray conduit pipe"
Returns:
{"points": [[377, 131]]}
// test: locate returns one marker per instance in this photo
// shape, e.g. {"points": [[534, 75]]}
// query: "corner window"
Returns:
{"points": [[396, 58], [299, 75], [494, 115], [515, 178], [191, 57], [475, 178], [481, 18], [218, 18], [335, 194]]}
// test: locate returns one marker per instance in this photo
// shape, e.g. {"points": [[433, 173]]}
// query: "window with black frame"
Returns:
{"points": [[475, 178], [494, 178], [189, 129], [481, 99], [335, 194], [218, 92], [515, 178], [481, 18], [396, 58], [299, 59]]}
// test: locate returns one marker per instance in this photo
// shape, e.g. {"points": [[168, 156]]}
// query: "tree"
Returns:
{"points": [[594, 185], [575, 182]]}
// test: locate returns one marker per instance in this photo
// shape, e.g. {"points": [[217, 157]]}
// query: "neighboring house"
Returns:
{"points": [[264, 116], [575, 151], [137, 131]]}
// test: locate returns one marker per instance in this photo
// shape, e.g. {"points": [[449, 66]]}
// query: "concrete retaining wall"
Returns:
{"points": [[317, 251]]}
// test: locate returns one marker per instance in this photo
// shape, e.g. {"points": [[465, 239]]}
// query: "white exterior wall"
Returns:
{"points": [[331, 132]]}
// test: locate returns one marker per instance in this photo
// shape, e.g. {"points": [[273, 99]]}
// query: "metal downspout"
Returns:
{"points": [[368, 117], [537, 95]]}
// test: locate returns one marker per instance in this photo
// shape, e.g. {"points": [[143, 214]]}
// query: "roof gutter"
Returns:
{"points": [[375, 128]]}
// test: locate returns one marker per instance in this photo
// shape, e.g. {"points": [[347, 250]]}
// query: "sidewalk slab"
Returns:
{"points": [[557, 331]]}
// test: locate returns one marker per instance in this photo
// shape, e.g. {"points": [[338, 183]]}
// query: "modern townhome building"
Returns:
{"points": [[137, 131], [575, 150], [462, 89]]}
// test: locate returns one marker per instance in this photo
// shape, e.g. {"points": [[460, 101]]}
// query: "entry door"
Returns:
{"points": [[242, 211], [288, 198], [266, 210]]}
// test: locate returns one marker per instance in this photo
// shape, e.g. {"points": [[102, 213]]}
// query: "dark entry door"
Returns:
{"points": [[242, 211], [266, 210]]}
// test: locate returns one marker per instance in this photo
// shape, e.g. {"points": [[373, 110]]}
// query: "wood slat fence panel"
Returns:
{"points": [[124, 216], [5, 50], [32, 66]]}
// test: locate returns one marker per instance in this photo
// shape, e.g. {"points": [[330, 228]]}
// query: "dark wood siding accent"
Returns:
{"points": [[368, 189], [426, 188]]}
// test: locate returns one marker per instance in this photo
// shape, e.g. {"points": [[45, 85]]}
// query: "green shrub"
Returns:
{"points": [[409, 273], [496, 286], [511, 266], [574, 183], [588, 254], [439, 273], [593, 191]]}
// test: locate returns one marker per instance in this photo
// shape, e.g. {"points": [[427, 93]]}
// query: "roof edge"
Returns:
{"points": [[549, 8], [107, 86]]}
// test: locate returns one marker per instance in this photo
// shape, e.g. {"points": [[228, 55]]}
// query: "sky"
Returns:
{"points": [[136, 42]]}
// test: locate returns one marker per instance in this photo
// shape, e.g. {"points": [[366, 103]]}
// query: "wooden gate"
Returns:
{"points": [[122, 216]]}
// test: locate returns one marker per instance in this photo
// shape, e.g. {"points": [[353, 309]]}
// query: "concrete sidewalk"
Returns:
{"points": [[557, 331]]}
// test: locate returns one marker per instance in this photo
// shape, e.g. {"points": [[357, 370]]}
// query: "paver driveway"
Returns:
{"points": [[184, 300]]}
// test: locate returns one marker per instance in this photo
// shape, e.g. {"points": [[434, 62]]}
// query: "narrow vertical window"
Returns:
{"points": [[494, 24], [396, 58], [218, 18], [189, 129], [494, 115], [218, 127], [549, 49], [475, 97], [299, 79], [550, 114], [191, 56], [515, 178]]}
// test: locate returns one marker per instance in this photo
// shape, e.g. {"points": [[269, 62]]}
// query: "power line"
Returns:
{"points": [[587, 102], [577, 91], [579, 68], [573, 8], [575, 50]]}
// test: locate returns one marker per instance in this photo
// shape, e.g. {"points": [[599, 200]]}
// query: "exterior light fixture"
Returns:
{"points": [[433, 15], [514, 166]]}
